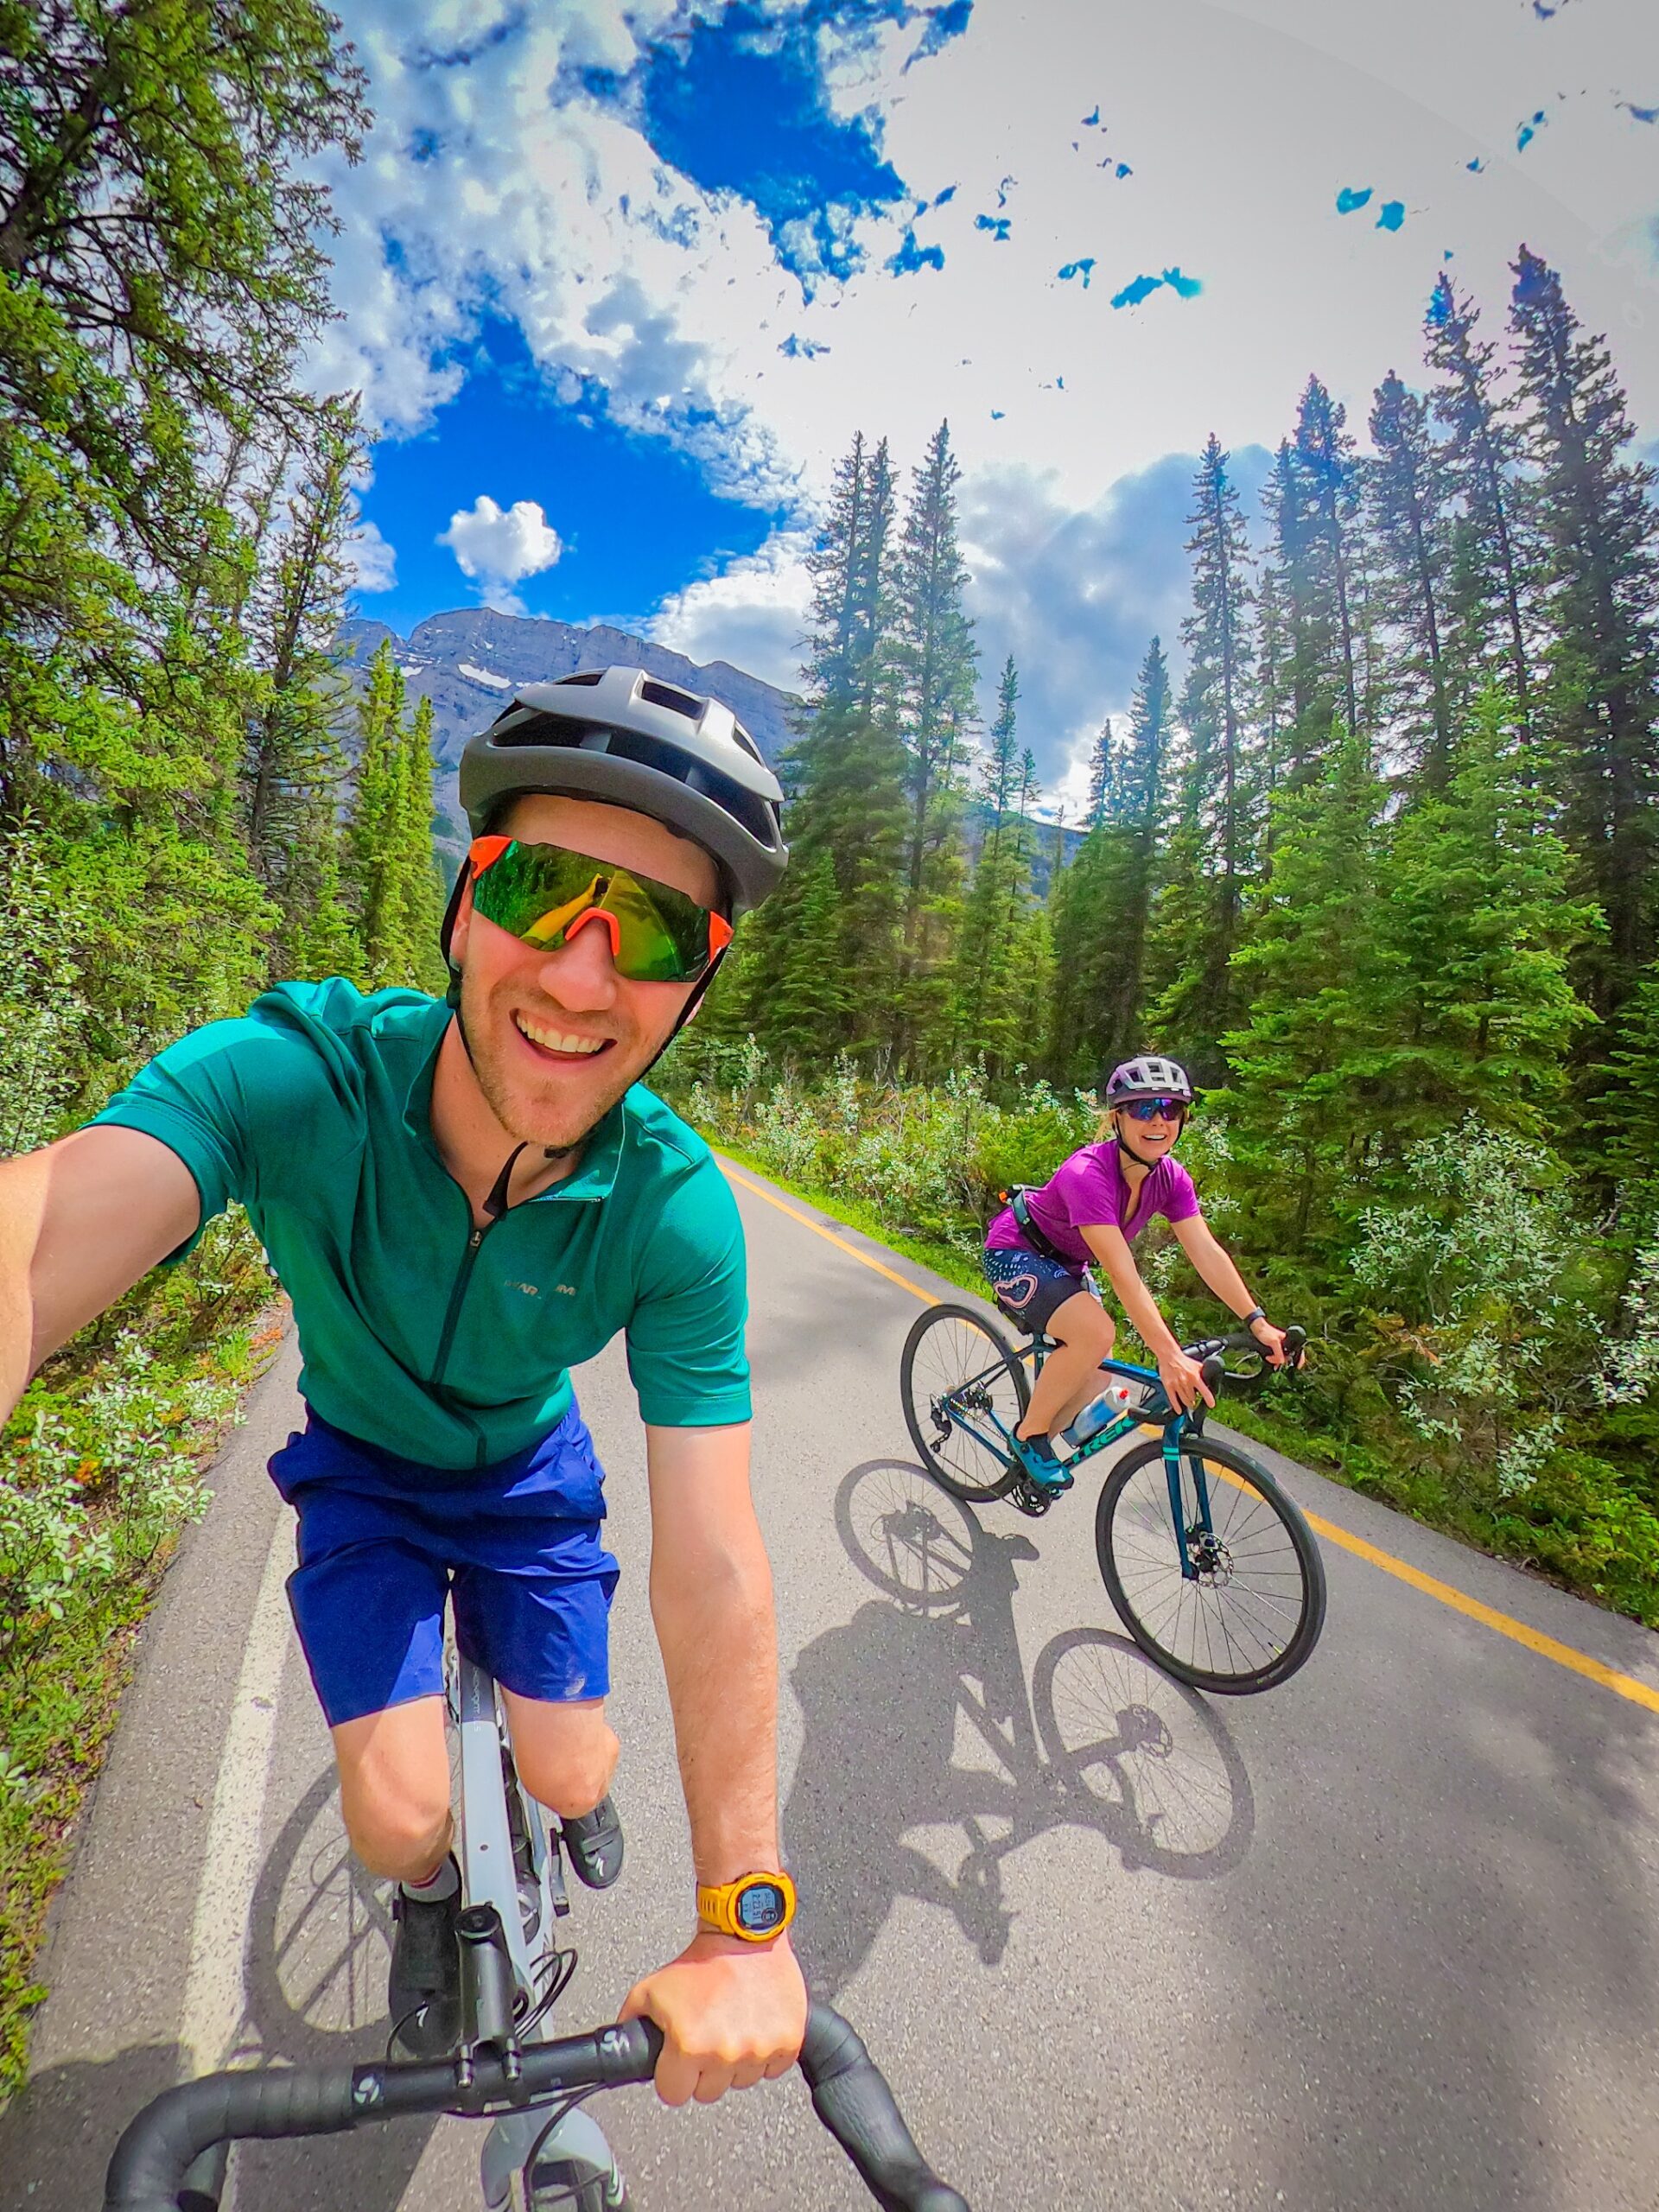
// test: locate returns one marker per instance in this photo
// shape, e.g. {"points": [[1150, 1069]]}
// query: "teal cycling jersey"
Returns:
{"points": [[448, 1345]]}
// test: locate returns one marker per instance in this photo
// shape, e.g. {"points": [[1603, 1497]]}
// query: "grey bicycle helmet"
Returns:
{"points": [[1151, 1076], [622, 736]]}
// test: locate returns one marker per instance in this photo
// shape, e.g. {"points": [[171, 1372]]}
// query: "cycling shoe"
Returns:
{"points": [[594, 1842], [1039, 1463], [423, 1988]]}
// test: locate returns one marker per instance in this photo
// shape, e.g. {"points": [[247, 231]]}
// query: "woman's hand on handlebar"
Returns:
{"points": [[733, 2014], [1272, 1341], [1182, 1381]]}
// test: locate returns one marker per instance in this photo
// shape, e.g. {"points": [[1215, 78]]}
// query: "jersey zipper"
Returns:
{"points": [[463, 1277]]}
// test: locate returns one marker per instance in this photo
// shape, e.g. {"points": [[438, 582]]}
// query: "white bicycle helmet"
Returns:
{"points": [[1151, 1076], [622, 736]]}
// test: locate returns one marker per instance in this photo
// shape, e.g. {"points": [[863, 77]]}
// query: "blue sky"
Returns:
{"points": [[620, 283]]}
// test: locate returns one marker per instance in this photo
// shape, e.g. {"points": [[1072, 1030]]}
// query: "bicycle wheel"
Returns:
{"points": [[959, 1377], [1249, 1616]]}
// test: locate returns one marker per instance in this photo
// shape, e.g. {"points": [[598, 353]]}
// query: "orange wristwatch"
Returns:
{"points": [[754, 1908]]}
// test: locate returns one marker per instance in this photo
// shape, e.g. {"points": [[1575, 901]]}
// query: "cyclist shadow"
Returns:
{"points": [[318, 1946], [1101, 1740]]}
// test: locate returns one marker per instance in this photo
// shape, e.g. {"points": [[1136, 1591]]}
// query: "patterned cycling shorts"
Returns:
{"points": [[1030, 1289]]}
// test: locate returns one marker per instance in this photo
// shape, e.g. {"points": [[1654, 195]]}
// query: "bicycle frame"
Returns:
{"points": [[1175, 1426], [490, 1877]]}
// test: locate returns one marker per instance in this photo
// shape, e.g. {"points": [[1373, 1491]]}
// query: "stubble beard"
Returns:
{"points": [[561, 1122]]}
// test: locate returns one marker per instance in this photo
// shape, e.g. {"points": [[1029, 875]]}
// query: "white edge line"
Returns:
{"points": [[213, 1994]]}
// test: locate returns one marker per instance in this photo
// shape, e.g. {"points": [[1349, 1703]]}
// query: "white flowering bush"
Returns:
{"points": [[1631, 1371], [1491, 1332]]}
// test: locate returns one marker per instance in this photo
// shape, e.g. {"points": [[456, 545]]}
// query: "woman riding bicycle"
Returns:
{"points": [[1039, 1248]]}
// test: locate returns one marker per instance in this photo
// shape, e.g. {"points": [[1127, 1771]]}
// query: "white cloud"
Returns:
{"points": [[374, 563], [497, 548], [752, 614], [1241, 120]]}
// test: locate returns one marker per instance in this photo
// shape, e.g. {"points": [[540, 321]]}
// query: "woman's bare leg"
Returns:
{"points": [[1083, 1333]]}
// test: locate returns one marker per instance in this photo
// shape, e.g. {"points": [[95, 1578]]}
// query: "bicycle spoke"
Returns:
{"points": [[961, 1396], [1236, 1615]]}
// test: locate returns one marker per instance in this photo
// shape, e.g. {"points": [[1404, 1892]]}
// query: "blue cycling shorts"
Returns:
{"points": [[384, 1543], [1030, 1289]]}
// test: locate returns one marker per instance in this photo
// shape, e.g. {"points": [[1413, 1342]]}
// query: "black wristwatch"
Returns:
{"points": [[1255, 1314]]}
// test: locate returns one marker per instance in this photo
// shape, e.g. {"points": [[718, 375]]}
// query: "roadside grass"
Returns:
{"points": [[1571, 1532], [100, 1471]]}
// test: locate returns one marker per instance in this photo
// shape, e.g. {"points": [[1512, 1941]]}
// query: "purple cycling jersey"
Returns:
{"points": [[1087, 1191]]}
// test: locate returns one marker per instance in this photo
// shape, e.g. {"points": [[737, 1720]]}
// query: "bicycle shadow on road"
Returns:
{"points": [[315, 1995], [57, 2134], [1101, 1741], [318, 1946]]}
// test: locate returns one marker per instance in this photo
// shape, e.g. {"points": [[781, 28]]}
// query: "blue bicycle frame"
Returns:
{"points": [[1175, 1427]]}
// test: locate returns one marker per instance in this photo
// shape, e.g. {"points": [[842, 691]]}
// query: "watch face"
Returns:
{"points": [[762, 1908]]}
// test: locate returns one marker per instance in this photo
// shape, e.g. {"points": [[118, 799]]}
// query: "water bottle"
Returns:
{"points": [[1113, 1402]]}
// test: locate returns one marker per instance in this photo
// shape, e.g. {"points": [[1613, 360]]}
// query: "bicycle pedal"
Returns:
{"points": [[1032, 1498]]}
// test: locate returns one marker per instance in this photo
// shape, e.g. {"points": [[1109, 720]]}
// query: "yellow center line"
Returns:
{"points": [[828, 1234], [1547, 1647]]}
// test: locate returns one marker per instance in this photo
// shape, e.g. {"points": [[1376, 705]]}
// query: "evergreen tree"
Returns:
{"points": [[1408, 508], [1086, 910], [807, 1013], [1628, 1100], [1322, 984], [293, 763], [1102, 777], [1318, 503], [844, 778], [417, 888], [993, 996], [374, 824], [158, 210], [1480, 915], [1485, 605], [1101, 908], [1144, 773], [1600, 583], [1207, 860], [1274, 712], [933, 662]]}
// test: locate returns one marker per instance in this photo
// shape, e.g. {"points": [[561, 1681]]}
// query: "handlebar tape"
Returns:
{"points": [[856, 2106], [163, 2142]]}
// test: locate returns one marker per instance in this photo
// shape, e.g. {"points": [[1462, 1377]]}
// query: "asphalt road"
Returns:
{"points": [[1387, 1937]]}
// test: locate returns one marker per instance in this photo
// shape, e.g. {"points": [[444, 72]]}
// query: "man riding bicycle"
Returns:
{"points": [[462, 1201]]}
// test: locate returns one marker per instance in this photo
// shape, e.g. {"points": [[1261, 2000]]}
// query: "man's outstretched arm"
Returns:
{"points": [[79, 1223], [733, 2012]]}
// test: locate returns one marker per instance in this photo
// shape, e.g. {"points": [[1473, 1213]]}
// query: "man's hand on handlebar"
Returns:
{"points": [[1182, 1381], [734, 2014]]}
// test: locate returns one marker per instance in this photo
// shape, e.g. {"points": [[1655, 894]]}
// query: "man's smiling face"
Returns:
{"points": [[556, 1037]]}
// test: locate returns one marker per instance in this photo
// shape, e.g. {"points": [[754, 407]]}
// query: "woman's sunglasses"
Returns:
{"points": [[544, 894], [1156, 1109]]}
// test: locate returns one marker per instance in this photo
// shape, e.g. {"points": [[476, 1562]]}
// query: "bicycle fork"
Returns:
{"points": [[1174, 1438]]}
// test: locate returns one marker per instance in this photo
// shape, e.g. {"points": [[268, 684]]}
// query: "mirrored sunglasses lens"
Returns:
{"points": [[537, 891]]}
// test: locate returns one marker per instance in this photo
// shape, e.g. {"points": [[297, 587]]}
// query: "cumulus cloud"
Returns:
{"points": [[497, 548], [1077, 594], [752, 614], [374, 562]]}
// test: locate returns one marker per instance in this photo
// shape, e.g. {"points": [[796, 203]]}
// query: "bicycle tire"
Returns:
{"points": [[1153, 1581], [559, 2189], [952, 1366]]}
